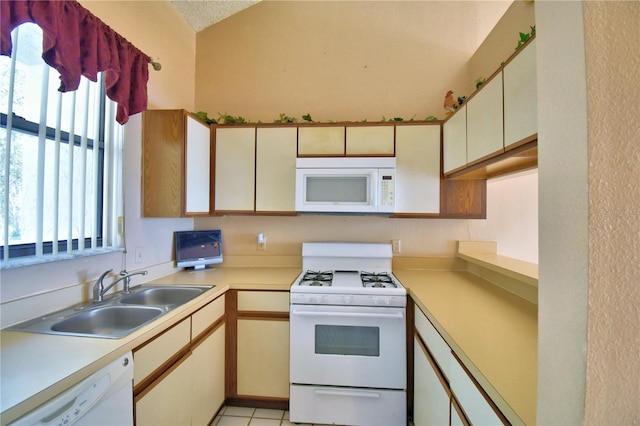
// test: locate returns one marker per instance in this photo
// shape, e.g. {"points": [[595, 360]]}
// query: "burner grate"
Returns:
{"points": [[377, 280], [317, 278]]}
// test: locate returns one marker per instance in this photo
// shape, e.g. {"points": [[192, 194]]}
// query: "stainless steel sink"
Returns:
{"points": [[117, 316], [162, 296], [112, 321]]}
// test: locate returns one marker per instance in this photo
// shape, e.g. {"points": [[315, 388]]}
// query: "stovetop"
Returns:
{"points": [[372, 280], [347, 274]]}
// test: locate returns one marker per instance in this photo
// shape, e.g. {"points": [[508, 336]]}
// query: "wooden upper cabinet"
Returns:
{"points": [[176, 164], [321, 141], [520, 97], [418, 169], [454, 147], [235, 168], [275, 169], [485, 121], [370, 141]]}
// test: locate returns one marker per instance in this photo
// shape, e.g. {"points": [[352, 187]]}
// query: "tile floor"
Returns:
{"points": [[245, 416]]}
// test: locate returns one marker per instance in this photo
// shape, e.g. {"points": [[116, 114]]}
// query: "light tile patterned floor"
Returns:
{"points": [[245, 416]]}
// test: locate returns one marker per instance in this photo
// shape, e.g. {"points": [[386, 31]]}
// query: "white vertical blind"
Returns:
{"points": [[42, 140], [73, 191]]}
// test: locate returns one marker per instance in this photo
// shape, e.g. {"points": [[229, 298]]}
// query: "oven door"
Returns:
{"points": [[356, 346]]}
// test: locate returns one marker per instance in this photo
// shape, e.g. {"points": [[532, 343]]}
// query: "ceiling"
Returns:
{"points": [[202, 13]]}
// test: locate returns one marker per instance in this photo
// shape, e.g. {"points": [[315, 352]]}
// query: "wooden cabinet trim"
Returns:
{"points": [[231, 344], [161, 372], [147, 385], [443, 381], [482, 392], [264, 315], [195, 342], [455, 405]]}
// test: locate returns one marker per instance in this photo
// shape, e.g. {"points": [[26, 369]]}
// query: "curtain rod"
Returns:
{"points": [[156, 65]]}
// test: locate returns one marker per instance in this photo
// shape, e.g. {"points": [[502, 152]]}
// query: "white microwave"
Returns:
{"points": [[346, 184]]}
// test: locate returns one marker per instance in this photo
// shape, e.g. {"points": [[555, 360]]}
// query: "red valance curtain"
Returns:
{"points": [[77, 43]]}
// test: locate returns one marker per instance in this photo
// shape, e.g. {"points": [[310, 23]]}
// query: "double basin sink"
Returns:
{"points": [[116, 317]]}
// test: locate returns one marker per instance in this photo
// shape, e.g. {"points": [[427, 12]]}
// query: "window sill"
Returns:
{"points": [[19, 262]]}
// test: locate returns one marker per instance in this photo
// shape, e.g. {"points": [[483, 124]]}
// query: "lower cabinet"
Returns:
{"points": [[258, 348], [431, 395], [168, 402], [208, 377], [444, 393], [179, 375]]}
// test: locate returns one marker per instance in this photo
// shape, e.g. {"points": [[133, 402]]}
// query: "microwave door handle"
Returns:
{"points": [[398, 315]]}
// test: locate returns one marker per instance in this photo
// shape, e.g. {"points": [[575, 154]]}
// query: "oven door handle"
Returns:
{"points": [[359, 394], [398, 315]]}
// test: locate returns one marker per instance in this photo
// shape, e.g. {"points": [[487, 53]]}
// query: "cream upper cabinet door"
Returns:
{"points": [[370, 140], [454, 141], [520, 96], [484, 121], [235, 169], [321, 140], [275, 169], [418, 169], [197, 167]]}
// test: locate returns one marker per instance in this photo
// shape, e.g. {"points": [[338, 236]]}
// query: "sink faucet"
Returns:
{"points": [[99, 290]]}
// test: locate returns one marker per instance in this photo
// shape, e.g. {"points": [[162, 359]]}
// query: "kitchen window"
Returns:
{"points": [[61, 159]]}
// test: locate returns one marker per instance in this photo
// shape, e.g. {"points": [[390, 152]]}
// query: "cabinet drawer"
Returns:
{"points": [[265, 301], [152, 355], [436, 344], [206, 316], [478, 409]]}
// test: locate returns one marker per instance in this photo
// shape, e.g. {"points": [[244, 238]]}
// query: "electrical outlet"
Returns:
{"points": [[395, 246], [138, 255], [262, 242]]}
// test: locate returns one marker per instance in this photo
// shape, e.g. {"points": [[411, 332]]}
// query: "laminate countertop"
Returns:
{"points": [[492, 331], [36, 367]]}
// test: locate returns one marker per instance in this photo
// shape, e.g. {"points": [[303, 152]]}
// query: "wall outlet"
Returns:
{"points": [[395, 246], [262, 242], [138, 255]]}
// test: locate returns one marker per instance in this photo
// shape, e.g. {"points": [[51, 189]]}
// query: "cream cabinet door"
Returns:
{"points": [[168, 401], [208, 378], [276, 169], [263, 358], [197, 167], [151, 356], [454, 141], [431, 400], [418, 169], [235, 169], [520, 96], [321, 140], [370, 140], [474, 404], [485, 121]]}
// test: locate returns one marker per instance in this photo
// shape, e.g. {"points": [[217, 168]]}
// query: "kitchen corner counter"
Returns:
{"points": [[492, 331], [36, 367]]}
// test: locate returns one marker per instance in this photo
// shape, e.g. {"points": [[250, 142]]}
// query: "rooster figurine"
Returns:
{"points": [[449, 103]]}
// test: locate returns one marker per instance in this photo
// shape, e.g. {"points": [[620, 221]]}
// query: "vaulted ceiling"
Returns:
{"points": [[202, 13]]}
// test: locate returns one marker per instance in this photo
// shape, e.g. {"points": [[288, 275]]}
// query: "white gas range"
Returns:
{"points": [[348, 341]]}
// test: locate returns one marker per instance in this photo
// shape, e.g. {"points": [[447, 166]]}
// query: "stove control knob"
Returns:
{"points": [[387, 300], [347, 299]]}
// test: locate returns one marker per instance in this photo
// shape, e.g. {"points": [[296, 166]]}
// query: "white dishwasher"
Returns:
{"points": [[104, 398]]}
